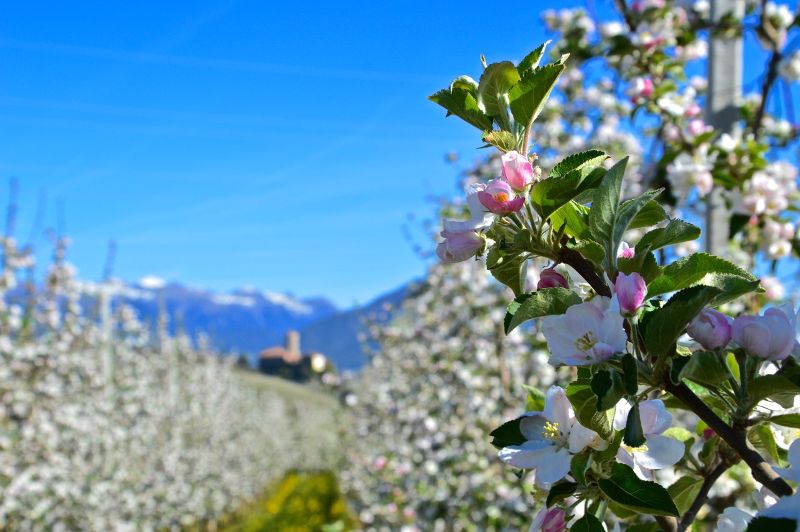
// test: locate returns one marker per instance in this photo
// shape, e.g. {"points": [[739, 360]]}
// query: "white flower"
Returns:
{"points": [[587, 333], [733, 520], [658, 451], [553, 436], [791, 473], [478, 217], [785, 508]]}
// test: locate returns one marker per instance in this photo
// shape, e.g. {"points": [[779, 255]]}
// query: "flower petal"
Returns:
{"points": [[557, 409], [528, 455], [661, 452], [554, 467]]}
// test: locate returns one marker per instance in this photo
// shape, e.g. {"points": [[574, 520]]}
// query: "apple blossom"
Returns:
{"points": [[625, 251], [517, 170], [458, 247], [711, 329], [630, 291], [792, 473], [550, 278], [588, 333], [553, 436], [770, 336], [478, 217], [499, 198], [658, 451], [549, 520]]}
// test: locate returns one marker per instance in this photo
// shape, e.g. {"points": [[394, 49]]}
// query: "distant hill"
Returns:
{"points": [[246, 321]]}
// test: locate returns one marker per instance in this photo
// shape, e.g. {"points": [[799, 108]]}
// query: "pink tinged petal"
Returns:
{"points": [[791, 473], [661, 452], [517, 170], [655, 417], [554, 521], [752, 335], [528, 455], [711, 329], [601, 352], [458, 247], [558, 409], [782, 334], [550, 278], [630, 291], [794, 454], [625, 251]]}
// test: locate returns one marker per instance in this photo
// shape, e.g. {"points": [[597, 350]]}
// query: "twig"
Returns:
{"points": [[702, 495], [585, 269], [736, 439]]}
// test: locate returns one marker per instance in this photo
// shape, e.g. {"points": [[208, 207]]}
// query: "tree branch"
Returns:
{"points": [[572, 258], [736, 439], [702, 496], [667, 524]]}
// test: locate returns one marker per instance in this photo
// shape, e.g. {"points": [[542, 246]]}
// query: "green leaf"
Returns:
{"points": [[781, 387], [675, 232], [662, 327], [493, 88], [605, 204], [645, 265], [463, 104], [466, 83], [579, 465], [772, 524], [535, 400], [586, 161], [532, 60], [502, 140], [527, 98], [707, 270], [634, 435], [651, 214], [508, 269], [543, 302], [548, 195], [590, 250], [706, 368], [559, 492], [584, 403], [787, 420], [633, 493], [573, 217], [507, 434], [607, 386], [587, 523], [630, 376], [684, 491], [763, 439]]}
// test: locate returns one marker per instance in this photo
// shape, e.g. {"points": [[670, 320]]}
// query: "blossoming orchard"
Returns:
{"points": [[672, 393]]}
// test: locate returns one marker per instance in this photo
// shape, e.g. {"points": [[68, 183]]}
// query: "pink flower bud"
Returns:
{"points": [[771, 336], [625, 251], [711, 329], [498, 198], [458, 247], [554, 521], [708, 433], [550, 278], [517, 170], [631, 290]]}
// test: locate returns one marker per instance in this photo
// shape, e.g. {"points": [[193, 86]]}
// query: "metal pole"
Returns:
{"points": [[724, 93]]}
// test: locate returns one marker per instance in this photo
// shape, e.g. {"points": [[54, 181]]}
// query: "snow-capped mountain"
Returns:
{"points": [[246, 321]]}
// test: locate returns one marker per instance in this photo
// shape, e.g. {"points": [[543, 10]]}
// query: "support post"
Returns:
{"points": [[724, 94]]}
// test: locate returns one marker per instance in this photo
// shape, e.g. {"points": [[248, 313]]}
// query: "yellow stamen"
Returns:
{"points": [[550, 431], [586, 342], [501, 197], [640, 449]]}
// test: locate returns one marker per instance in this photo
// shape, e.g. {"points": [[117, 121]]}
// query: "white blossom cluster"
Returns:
{"points": [[105, 426], [443, 375]]}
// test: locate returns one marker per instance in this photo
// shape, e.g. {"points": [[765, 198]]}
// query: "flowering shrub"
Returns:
{"points": [[592, 447], [106, 426]]}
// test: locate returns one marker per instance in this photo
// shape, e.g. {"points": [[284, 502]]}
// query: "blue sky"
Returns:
{"points": [[275, 144], [228, 143]]}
